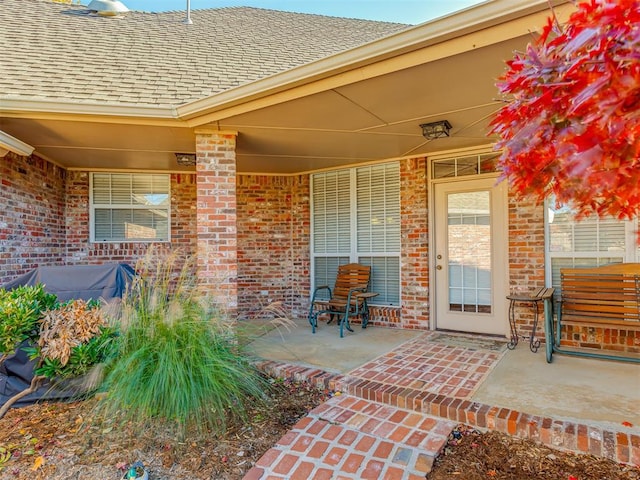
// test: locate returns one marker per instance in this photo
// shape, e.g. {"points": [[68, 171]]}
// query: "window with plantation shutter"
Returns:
{"points": [[356, 218], [132, 207], [588, 242]]}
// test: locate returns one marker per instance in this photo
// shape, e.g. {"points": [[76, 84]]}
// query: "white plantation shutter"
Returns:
{"points": [[589, 242], [385, 278], [130, 207], [332, 212], [378, 209], [356, 218], [325, 271]]}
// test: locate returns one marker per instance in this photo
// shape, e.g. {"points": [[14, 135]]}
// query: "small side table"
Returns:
{"points": [[534, 297]]}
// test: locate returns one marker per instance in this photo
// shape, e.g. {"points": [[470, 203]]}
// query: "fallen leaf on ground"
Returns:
{"points": [[37, 463]]}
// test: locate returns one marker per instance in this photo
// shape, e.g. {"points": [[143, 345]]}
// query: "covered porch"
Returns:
{"points": [[578, 404]]}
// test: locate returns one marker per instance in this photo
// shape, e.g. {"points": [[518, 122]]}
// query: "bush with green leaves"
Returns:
{"points": [[20, 314], [71, 338], [74, 337], [177, 360]]}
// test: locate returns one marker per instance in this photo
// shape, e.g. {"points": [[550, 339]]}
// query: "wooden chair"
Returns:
{"points": [[348, 298]]}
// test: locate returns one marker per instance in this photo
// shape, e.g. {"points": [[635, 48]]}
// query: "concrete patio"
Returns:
{"points": [[576, 404]]}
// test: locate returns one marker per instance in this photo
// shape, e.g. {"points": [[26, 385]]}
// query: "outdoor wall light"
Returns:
{"points": [[186, 159], [437, 129]]}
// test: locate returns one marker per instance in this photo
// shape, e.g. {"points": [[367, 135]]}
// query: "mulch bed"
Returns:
{"points": [[56, 441], [472, 455]]}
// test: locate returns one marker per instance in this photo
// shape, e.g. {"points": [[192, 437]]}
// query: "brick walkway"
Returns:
{"points": [[351, 438], [397, 411], [432, 367]]}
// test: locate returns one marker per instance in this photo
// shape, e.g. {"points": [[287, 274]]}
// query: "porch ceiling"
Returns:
{"points": [[372, 119]]}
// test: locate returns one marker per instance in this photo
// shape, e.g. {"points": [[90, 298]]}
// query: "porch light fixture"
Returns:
{"points": [[186, 159], [434, 130], [107, 8]]}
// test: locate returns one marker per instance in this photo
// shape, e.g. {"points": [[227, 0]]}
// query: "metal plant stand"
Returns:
{"points": [[535, 297]]}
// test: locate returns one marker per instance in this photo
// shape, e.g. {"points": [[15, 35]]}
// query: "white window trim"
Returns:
{"points": [[93, 207], [353, 253]]}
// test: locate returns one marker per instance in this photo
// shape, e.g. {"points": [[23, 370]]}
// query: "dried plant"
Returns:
{"points": [[67, 327]]}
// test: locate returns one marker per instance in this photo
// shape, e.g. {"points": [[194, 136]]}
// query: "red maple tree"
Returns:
{"points": [[571, 127]]}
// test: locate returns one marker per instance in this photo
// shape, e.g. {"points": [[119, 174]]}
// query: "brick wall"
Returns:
{"points": [[80, 251], [216, 217], [526, 257], [414, 266], [617, 339], [31, 214], [44, 220], [273, 243]]}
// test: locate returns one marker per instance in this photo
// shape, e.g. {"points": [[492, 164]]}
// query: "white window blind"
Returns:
{"points": [[589, 242], [130, 207], [332, 212], [356, 218]]}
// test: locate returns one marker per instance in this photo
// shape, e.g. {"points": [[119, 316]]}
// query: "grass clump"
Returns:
{"points": [[177, 360]]}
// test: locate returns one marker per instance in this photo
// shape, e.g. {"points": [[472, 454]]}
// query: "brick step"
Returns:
{"points": [[619, 443], [352, 438]]}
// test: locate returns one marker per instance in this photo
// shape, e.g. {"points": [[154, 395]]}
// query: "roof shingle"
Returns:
{"points": [[60, 52]]}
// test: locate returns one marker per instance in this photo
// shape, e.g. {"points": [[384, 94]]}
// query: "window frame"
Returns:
{"points": [[354, 255], [630, 252], [93, 207]]}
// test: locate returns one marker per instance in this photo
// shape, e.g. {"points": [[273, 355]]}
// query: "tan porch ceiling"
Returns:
{"points": [[370, 120], [377, 118], [361, 113]]}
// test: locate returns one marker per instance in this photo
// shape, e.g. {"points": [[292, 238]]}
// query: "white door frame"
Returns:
{"points": [[500, 246]]}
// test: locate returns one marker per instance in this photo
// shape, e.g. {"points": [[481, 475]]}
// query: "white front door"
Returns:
{"points": [[471, 256]]}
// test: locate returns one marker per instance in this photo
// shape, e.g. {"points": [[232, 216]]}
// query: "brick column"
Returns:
{"points": [[217, 243], [415, 244]]}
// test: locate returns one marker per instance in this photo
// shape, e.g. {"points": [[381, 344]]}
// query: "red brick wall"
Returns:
{"points": [[216, 217], [81, 251], [526, 257], [415, 245], [273, 243], [31, 215], [44, 220], [618, 339]]}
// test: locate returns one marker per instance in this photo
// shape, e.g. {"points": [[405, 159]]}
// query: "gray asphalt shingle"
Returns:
{"points": [[59, 51]]}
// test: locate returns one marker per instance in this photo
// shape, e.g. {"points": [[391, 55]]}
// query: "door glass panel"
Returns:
{"points": [[469, 251]]}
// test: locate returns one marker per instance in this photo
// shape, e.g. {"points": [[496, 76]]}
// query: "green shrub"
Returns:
{"points": [[74, 337], [177, 360], [20, 314]]}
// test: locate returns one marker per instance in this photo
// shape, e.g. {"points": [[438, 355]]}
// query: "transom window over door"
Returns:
{"points": [[356, 218], [133, 207]]}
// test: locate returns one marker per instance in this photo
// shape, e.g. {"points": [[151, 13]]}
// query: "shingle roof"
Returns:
{"points": [[60, 52]]}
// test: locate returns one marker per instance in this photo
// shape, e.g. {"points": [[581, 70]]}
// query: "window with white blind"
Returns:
{"points": [[356, 218], [130, 207], [589, 242]]}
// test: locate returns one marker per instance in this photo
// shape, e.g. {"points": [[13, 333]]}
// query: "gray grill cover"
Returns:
{"points": [[79, 281], [67, 282]]}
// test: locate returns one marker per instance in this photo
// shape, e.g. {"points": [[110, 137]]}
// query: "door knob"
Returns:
{"points": [[438, 267]]}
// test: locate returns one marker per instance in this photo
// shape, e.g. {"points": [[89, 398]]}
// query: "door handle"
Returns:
{"points": [[438, 267]]}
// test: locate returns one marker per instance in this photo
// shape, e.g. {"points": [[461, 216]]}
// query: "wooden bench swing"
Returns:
{"points": [[606, 297]]}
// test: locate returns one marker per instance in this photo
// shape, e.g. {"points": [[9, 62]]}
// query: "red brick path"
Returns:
{"points": [[392, 422], [351, 438]]}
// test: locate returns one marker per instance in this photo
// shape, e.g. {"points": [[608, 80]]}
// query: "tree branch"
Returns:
{"points": [[35, 384]]}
